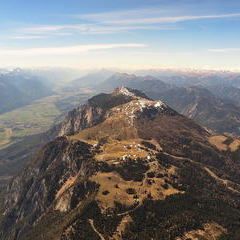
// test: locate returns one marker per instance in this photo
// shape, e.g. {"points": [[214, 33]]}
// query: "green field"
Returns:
{"points": [[28, 120], [36, 117]]}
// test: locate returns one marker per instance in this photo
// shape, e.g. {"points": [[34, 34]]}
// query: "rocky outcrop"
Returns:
{"points": [[79, 119]]}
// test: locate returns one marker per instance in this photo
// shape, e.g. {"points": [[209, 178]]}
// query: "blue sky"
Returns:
{"points": [[120, 34]]}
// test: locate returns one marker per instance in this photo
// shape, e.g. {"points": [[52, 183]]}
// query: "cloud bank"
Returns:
{"points": [[67, 50]]}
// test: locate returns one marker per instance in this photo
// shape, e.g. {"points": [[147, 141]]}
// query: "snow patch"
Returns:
{"points": [[144, 103], [125, 91], [159, 104]]}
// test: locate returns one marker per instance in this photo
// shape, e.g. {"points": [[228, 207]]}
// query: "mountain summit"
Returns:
{"points": [[124, 166]]}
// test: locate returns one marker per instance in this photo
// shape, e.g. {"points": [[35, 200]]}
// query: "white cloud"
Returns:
{"points": [[224, 50], [35, 35], [171, 19], [118, 22], [149, 16], [67, 50], [27, 37], [134, 13], [88, 29]]}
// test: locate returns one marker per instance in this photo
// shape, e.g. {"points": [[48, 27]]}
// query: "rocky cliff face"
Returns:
{"points": [[41, 185], [126, 167], [79, 119]]}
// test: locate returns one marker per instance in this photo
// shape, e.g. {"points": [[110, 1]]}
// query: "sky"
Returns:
{"points": [[129, 34]]}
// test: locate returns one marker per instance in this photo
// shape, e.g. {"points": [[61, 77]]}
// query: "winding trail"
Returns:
{"points": [[210, 173], [127, 212], [95, 230], [223, 181]]}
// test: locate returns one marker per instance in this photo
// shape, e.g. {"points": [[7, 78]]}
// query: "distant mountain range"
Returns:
{"points": [[18, 88], [204, 107], [92, 79], [195, 77]]}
